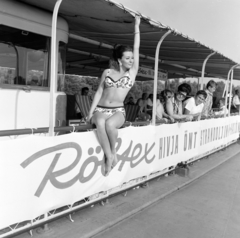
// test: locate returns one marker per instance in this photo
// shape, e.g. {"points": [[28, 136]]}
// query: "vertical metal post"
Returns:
{"points": [[226, 87], [230, 91], [53, 77], [198, 86], [156, 77], [203, 68]]}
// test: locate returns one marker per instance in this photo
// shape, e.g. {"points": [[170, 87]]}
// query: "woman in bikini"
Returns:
{"points": [[107, 110]]}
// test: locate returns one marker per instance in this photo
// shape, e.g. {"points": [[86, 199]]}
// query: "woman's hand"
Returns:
{"points": [[189, 118], [171, 119], [137, 20], [88, 119]]}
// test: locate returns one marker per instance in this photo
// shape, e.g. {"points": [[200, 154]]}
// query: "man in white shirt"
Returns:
{"points": [[194, 105]]}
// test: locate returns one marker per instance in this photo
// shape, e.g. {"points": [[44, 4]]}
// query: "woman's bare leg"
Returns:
{"points": [[99, 119], [112, 125]]}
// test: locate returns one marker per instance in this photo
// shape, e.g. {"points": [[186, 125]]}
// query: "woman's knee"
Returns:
{"points": [[99, 122], [110, 125]]}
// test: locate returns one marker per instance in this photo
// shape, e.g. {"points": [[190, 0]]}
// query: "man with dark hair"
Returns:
{"points": [[194, 105], [85, 91], [186, 87], [210, 89], [130, 101]]}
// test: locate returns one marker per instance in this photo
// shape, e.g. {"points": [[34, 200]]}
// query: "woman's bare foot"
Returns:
{"points": [[108, 166], [115, 160]]}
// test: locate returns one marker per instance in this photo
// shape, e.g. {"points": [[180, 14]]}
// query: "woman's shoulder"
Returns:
{"points": [[189, 100], [106, 72], [170, 100]]}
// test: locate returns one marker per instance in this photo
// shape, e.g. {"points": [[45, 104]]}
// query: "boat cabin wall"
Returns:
{"points": [[25, 40]]}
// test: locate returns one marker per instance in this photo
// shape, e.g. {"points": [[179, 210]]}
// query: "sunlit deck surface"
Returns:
{"points": [[203, 204]]}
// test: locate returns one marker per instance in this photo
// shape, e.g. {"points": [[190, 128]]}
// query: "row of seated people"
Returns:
{"points": [[171, 107], [179, 106]]}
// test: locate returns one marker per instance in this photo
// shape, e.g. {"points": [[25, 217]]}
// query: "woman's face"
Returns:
{"points": [[144, 96], [169, 95], [181, 95], [127, 60], [212, 89], [199, 99]]}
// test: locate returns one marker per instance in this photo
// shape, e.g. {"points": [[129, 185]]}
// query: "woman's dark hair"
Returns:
{"points": [[118, 54], [165, 93], [211, 84], [202, 92], [184, 87], [145, 95], [150, 95]]}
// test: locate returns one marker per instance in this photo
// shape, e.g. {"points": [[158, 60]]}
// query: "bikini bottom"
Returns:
{"points": [[109, 111]]}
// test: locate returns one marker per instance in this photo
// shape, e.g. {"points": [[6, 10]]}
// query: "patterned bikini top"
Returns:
{"points": [[124, 82]]}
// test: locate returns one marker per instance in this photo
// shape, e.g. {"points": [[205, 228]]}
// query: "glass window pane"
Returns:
{"points": [[27, 57], [8, 63]]}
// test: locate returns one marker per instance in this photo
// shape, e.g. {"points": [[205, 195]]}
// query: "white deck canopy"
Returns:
{"points": [[107, 23]]}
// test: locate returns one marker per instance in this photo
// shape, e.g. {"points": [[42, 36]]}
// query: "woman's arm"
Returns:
{"points": [[97, 95], [169, 109], [187, 112], [145, 106], [136, 46]]}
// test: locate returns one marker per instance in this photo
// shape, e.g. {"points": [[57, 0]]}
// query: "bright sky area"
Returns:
{"points": [[215, 23]]}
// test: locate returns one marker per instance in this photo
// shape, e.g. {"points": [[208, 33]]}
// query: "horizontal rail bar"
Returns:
{"points": [[83, 127]]}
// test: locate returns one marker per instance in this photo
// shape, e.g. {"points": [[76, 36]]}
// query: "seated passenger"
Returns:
{"points": [[142, 103], [210, 89], [160, 112], [165, 94], [235, 102], [150, 104], [130, 101], [85, 91], [221, 108], [194, 105], [174, 105], [79, 112]]}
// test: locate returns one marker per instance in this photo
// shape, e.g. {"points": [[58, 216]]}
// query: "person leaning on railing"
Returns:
{"points": [[174, 106], [107, 110], [210, 89], [236, 102], [160, 112], [194, 105]]}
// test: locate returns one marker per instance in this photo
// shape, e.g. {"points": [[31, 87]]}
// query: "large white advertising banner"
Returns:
{"points": [[39, 174]]}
